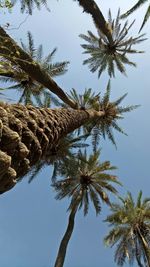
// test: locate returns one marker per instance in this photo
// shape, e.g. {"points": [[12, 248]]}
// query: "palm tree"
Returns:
{"points": [[23, 82], [19, 58], [104, 127], [87, 180], [28, 5], [27, 133], [105, 55], [135, 7], [130, 222]]}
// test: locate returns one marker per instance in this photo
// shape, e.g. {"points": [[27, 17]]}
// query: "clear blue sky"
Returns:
{"points": [[32, 222]]}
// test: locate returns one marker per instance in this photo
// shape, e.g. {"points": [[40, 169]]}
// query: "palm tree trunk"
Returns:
{"points": [[92, 8], [27, 134], [65, 240], [145, 246], [15, 54]]}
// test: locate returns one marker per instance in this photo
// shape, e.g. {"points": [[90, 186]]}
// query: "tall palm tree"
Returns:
{"points": [[130, 222], [134, 8], [105, 55], [20, 58], [22, 81], [88, 180], [27, 133]]}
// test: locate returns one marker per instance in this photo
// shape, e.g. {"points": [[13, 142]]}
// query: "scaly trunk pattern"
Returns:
{"points": [[15, 54], [28, 133], [65, 240], [92, 8]]}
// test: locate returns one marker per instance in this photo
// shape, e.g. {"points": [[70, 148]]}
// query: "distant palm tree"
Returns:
{"points": [[106, 55], [135, 7], [130, 222], [24, 83], [28, 5], [27, 133], [86, 180]]}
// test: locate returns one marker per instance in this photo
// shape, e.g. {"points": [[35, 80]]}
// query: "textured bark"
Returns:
{"points": [[90, 7], [27, 134], [13, 52], [65, 240]]}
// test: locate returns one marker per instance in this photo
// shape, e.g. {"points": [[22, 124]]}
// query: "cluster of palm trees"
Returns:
{"points": [[35, 134]]}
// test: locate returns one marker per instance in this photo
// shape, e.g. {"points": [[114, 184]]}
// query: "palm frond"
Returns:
{"points": [[105, 55], [134, 8], [129, 221]]}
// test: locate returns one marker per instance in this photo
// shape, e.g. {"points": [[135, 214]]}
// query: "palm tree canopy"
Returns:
{"points": [[19, 58], [101, 127], [134, 8], [86, 179], [105, 55], [22, 82], [129, 221], [28, 5]]}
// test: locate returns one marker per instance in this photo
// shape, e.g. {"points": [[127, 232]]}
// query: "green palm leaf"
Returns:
{"points": [[24, 83], [134, 8], [88, 178]]}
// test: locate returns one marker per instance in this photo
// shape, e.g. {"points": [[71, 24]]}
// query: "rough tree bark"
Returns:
{"points": [[28, 133]]}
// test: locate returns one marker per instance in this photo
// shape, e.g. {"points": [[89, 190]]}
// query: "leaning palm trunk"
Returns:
{"points": [[27, 134], [65, 240], [92, 8], [15, 54]]}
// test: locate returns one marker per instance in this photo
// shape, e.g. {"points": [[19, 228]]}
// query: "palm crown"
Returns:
{"points": [[87, 179], [23, 82], [106, 54], [105, 125], [135, 7], [130, 222], [28, 5]]}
